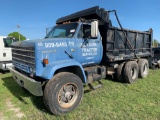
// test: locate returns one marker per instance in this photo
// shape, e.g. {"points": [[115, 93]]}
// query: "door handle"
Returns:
{"points": [[73, 50]]}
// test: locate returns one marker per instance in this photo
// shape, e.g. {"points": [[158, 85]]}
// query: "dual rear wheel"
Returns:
{"points": [[130, 71]]}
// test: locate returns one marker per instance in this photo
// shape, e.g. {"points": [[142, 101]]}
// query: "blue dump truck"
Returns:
{"points": [[81, 49]]}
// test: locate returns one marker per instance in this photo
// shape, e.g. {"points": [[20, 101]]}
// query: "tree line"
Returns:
{"points": [[155, 43], [17, 36]]}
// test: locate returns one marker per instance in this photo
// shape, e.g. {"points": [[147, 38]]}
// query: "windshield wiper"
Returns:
{"points": [[52, 37], [55, 36]]}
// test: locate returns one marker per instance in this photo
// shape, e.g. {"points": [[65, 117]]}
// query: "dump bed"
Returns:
{"points": [[135, 44], [118, 44]]}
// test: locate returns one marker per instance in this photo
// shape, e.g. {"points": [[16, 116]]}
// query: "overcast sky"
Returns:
{"points": [[33, 16]]}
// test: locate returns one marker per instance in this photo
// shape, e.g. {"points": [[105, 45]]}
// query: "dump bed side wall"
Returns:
{"points": [[118, 48]]}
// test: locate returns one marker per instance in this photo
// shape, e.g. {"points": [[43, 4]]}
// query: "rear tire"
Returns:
{"points": [[63, 93], [131, 71], [143, 68], [119, 72]]}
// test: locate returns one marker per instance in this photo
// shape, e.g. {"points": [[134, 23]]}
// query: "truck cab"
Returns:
{"points": [[82, 47], [5, 52], [72, 50]]}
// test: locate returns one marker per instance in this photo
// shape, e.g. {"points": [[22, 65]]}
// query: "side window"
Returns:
{"points": [[8, 41], [84, 32]]}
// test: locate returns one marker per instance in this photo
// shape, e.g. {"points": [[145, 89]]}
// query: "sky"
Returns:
{"points": [[34, 16]]}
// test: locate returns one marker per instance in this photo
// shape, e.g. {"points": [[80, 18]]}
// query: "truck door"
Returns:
{"points": [[89, 49]]}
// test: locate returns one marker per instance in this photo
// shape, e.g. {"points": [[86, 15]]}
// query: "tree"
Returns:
{"points": [[16, 35], [155, 43]]}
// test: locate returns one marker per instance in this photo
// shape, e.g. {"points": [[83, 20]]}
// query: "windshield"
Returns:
{"points": [[8, 41], [63, 31]]}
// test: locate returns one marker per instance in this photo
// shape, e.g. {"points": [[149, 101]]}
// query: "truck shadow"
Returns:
{"points": [[87, 89], [3, 72], [114, 79], [21, 94]]}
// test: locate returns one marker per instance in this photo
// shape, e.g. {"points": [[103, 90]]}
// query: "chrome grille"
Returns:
{"points": [[24, 55]]}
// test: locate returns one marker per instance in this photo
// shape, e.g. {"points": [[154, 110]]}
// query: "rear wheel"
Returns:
{"points": [[131, 71], [143, 68], [63, 93], [119, 72]]}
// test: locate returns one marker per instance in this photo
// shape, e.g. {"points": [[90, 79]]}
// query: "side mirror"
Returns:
{"points": [[94, 28]]}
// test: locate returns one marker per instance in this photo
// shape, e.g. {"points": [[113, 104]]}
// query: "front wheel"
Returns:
{"points": [[63, 93]]}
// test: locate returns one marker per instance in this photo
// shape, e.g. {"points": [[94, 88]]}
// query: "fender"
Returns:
{"points": [[50, 69]]}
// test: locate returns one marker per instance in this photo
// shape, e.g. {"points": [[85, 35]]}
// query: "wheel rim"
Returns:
{"points": [[145, 69], [67, 95], [133, 73]]}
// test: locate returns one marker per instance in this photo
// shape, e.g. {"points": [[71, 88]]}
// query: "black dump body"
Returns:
{"points": [[118, 44]]}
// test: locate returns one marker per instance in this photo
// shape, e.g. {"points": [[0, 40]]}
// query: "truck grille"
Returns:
{"points": [[24, 55]]}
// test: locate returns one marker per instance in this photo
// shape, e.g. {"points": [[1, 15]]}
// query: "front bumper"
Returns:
{"points": [[29, 84], [4, 65]]}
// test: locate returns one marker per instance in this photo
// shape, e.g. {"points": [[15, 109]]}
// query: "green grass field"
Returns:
{"points": [[138, 101]]}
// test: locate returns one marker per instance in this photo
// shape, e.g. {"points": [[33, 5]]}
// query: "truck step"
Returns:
{"points": [[96, 77], [95, 73], [97, 86]]}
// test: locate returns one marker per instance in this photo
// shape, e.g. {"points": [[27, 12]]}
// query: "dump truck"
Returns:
{"points": [[81, 48], [5, 52]]}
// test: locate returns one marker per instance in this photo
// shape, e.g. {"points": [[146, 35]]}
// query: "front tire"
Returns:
{"points": [[63, 93]]}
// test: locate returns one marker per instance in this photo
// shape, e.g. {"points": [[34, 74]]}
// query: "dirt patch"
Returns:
{"points": [[20, 115], [9, 104], [16, 110], [1, 116]]}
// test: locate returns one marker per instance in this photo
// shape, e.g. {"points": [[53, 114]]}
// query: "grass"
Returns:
{"points": [[114, 100]]}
